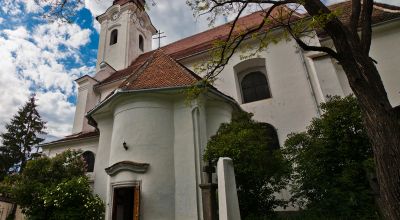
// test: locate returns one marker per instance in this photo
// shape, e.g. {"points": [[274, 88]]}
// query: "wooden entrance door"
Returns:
{"points": [[126, 201]]}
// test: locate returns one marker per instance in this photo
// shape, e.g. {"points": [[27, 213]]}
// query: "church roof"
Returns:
{"points": [[159, 71], [204, 41], [73, 137]]}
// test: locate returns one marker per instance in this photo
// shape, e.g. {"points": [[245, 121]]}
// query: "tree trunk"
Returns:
{"points": [[381, 120], [383, 129]]}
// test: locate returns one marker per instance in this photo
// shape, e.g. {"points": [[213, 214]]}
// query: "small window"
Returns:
{"points": [[89, 158], [141, 43], [114, 37], [255, 87]]}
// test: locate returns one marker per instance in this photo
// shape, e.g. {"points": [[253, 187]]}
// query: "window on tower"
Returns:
{"points": [[114, 37], [141, 43]]}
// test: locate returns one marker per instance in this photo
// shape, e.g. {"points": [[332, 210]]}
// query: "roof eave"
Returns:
{"points": [[47, 145], [120, 92]]}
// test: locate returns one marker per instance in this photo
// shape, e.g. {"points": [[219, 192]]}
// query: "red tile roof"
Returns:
{"points": [[159, 71], [118, 75], [204, 40]]}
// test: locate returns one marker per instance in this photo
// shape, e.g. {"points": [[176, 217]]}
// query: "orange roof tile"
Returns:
{"points": [[159, 71]]}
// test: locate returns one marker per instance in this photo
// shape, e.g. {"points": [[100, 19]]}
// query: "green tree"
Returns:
{"points": [[331, 163], [20, 139], [55, 189], [260, 170]]}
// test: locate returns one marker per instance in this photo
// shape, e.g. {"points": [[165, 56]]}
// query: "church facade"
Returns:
{"points": [[143, 139]]}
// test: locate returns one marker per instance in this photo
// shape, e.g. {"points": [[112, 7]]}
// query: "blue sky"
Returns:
{"points": [[42, 57]]}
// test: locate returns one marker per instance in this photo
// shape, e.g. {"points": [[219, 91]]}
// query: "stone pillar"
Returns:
{"points": [[227, 195]]}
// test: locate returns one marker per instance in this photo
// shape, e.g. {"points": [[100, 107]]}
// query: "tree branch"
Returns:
{"points": [[355, 16], [236, 41], [307, 47], [366, 20]]}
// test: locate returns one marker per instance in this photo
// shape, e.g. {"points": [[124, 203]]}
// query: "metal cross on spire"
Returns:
{"points": [[160, 35]]}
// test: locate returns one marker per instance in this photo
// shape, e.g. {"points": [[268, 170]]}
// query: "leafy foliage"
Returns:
{"points": [[260, 170], [20, 139], [55, 188], [330, 174]]}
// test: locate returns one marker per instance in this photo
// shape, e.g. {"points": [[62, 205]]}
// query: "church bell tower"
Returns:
{"points": [[126, 32]]}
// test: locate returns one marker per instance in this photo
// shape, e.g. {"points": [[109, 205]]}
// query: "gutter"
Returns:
{"points": [[307, 71]]}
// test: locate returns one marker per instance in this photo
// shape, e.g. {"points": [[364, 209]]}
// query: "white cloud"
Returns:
{"points": [[97, 7], [33, 61], [11, 7], [59, 113], [33, 7], [180, 22]]}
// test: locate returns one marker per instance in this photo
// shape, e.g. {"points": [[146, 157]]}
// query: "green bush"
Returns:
{"points": [[332, 161], [55, 188], [260, 169]]}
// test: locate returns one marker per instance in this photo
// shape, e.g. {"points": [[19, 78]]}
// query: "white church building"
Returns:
{"points": [[144, 141]]}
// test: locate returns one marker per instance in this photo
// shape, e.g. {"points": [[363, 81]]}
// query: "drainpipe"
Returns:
{"points": [[307, 72]]}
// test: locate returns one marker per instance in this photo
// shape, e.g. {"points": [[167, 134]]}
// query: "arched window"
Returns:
{"points": [[141, 43], [114, 37], [254, 87], [89, 158], [272, 136]]}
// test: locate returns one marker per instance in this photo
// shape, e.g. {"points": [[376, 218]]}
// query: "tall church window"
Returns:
{"points": [[114, 37], [272, 136], [254, 87], [89, 159], [141, 43]]}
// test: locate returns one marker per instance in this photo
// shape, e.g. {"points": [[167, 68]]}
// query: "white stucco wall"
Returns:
{"points": [[292, 105], [159, 129], [185, 167], [146, 125], [385, 50], [101, 181], [86, 100]]}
